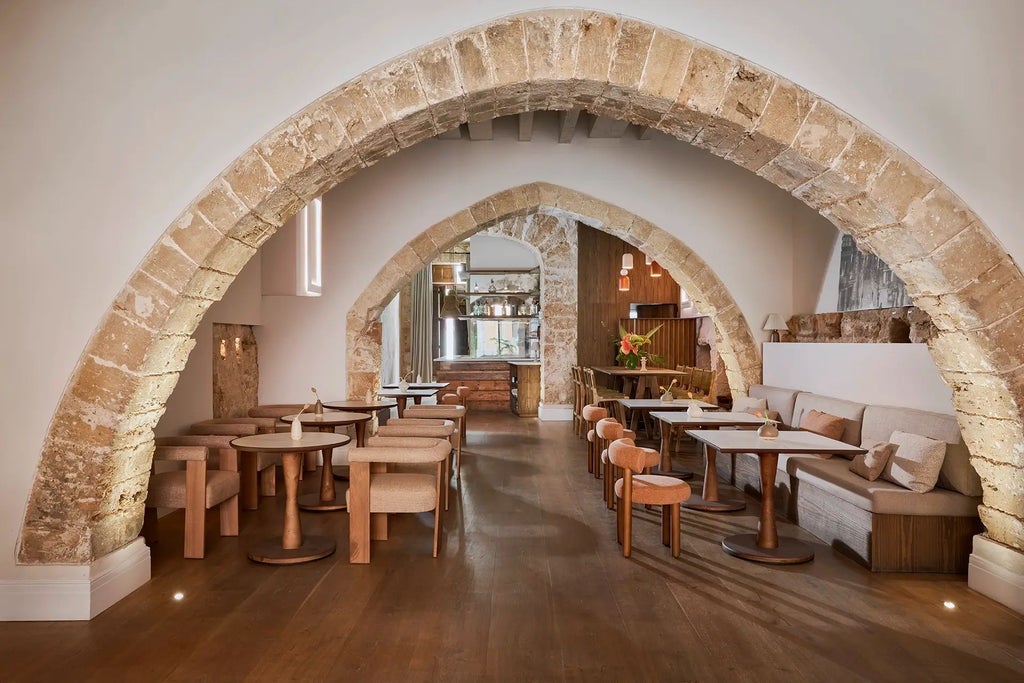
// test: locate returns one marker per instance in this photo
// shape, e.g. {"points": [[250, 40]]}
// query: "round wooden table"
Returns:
{"points": [[292, 547], [402, 396], [327, 500], [360, 406]]}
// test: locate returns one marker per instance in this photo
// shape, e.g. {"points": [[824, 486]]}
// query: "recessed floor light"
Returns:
{"points": [[181, 596], [949, 604]]}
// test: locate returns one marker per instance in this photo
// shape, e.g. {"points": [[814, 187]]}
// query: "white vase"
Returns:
{"points": [[643, 364], [667, 397], [694, 410], [403, 385], [296, 429]]}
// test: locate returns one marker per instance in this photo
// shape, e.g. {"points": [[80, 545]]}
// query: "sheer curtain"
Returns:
{"points": [[422, 327]]}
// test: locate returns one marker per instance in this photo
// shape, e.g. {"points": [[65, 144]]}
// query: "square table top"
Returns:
{"points": [[619, 371], [658, 404], [717, 418], [747, 441]]}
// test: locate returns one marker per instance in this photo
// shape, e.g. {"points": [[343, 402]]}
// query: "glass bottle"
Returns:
{"points": [[492, 289]]}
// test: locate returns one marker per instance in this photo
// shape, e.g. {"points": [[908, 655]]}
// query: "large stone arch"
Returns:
{"points": [[736, 343], [90, 486]]}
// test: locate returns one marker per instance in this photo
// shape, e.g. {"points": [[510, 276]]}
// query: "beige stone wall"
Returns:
{"points": [[236, 370], [90, 486], [906, 324]]}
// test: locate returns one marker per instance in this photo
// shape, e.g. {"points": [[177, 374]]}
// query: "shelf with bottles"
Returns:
{"points": [[503, 306]]}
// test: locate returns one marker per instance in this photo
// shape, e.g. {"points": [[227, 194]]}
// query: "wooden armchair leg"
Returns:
{"points": [[665, 523], [249, 481], [618, 524], [359, 513], [195, 509], [437, 508], [229, 516]]}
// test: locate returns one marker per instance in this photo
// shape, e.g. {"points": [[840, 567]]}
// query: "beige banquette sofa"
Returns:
{"points": [[880, 524]]}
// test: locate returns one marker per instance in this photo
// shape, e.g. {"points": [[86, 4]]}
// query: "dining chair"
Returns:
{"points": [[646, 489], [258, 470], [591, 414], [374, 492], [445, 411], [195, 488], [601, 395], [609, 429], [579, 425], [431, 429]]}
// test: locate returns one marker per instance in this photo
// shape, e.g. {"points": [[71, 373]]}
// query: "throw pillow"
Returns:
{"points": [[916, 463], [830, 426], [870, 465], [746, 404]]}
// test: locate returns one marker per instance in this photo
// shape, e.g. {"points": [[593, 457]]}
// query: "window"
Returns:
{"points": [[308, 249]]}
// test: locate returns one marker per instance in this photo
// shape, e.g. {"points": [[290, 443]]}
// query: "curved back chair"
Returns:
{"points": [[374, 493], [258, 470], [608, 430], [591, 414], [196, 488], [646, 489]]}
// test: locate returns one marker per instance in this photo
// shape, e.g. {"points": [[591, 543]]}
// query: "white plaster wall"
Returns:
{"points": [[682, 189], [117, 114], [489, 252], [884, 374], [815, 264]]}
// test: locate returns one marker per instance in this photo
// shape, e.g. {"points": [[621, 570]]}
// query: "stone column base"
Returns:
{"points": [[555, 412]]}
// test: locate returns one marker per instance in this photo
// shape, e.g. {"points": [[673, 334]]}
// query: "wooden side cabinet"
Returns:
{"points": [[524, 387]]}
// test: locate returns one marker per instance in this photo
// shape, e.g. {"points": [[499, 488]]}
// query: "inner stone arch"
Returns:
{"points": [[90, 486], [508, 214]]}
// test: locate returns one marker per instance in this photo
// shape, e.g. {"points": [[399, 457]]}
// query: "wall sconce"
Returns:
{"points": [[627, 261], [238, 348], [774, 324], [623, 280], [656, 269], [223, 349]]}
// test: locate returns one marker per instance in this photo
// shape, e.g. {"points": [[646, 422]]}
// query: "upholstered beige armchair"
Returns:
{"points": [[430, 429], [195, 488], [258, 470], [374, 493]]}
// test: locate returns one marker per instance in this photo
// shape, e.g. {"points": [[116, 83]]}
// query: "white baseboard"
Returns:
{"points": [[74, 593], [555, 412], [997, 571]]}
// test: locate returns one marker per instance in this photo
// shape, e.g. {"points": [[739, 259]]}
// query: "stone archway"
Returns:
{"points": [[90, 486], [737, 346]]}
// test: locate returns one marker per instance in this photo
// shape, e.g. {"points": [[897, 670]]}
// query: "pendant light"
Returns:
{"points": [[623, 280], [656, 270], [648, 260], [627, 261], [450, 306]]}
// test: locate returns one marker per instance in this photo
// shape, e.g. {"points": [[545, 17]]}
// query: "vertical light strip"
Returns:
{"points": [[449, 338], [308, 248]]}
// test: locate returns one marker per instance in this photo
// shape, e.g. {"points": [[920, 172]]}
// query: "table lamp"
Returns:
{"points": [[774, 324]]}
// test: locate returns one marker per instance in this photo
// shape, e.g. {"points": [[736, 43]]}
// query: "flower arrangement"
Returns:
{"points": [[631, 348], [768, 430]]}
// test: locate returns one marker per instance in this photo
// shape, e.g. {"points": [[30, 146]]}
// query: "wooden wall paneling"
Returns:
{"points": [[600, 259], [676, 340]]}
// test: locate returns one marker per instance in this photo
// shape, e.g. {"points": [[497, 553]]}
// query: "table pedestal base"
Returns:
{"points": [[312, 548], [790, 550], [312, 502], [697, 502]]}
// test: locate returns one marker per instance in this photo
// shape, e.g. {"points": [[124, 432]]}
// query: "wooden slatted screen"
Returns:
{"points": [[676, 340]]}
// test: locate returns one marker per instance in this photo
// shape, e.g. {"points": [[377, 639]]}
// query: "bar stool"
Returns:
{"points": [[647, 489]]}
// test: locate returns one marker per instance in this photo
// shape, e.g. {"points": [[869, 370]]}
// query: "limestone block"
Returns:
{"points": [[152, 394], [754, 151], [360, 116], [1002, 528], [1000, 441], [424, 247], [901, 183], [506, 47], [186, 315], [254, 231], [168, 265], [286, 153], [937, 218], [984, 394], [229, 256], [104, 385], [996, 294], [958, 352], [252, 181], [166, 354], [552, 44], [108, 533], [396, 86], [121, 342], [476, 71], [599, 32], [894, 245], [442, 87], [145, 301], [61, 542], [662, 78], [787, 107], [80, 426], [221, 207], [745, 99]]}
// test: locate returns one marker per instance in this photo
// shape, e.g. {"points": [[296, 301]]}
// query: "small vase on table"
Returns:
{"points": [[643, 364]]}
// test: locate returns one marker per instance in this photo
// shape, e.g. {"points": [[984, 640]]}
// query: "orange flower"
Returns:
{"points": [[625, 346]]}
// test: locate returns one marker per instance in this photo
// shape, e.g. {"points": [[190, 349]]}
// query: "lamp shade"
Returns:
{"points": [[624, 280], [648, 260], [450, 306], [774, 323], [627, 261], [655, 269]]}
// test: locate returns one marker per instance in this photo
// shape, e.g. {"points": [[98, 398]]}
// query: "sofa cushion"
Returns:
{"points": [[880, 497], [870, 465], [749, 404], [956, 474], [779, 399], [916, 462], [853, 412], [830, 426]]}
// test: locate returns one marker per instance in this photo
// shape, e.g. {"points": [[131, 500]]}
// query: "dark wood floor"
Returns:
{"points": [[531, 585]]}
